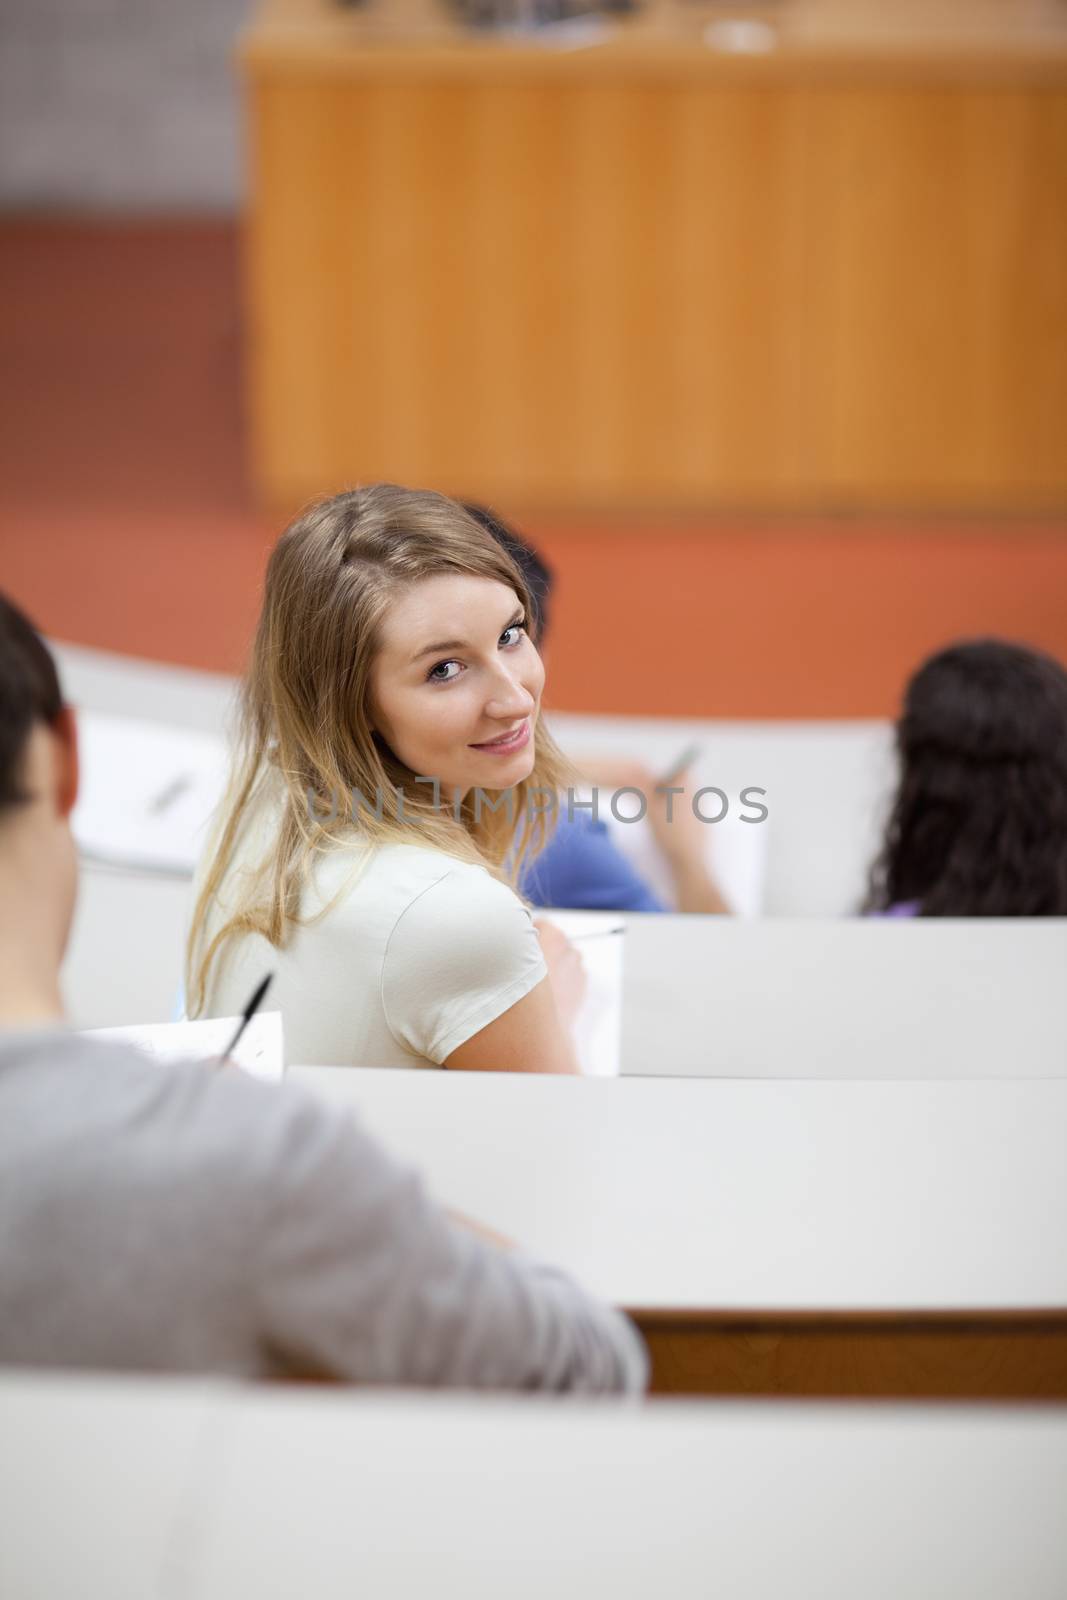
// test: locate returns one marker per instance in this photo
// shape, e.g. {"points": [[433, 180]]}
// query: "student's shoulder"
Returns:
{"points": [[442, 892], [199, 1114], [283, 1153], [465, 948], [175, 1114], [422, 864], [417, 882]]}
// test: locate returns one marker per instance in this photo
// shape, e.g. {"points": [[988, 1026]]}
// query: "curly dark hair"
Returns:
{"points": [[979, 824]]}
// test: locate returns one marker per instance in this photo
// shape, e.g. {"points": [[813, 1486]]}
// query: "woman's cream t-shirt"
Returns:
{"points": [[402, 954]]}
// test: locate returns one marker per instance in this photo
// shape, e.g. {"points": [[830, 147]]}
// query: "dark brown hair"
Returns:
{"points": [[538, 575], [29, 693], [979, 823]]}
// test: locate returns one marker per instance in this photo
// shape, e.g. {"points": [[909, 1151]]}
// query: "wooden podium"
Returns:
{"points": [[637, 266]]}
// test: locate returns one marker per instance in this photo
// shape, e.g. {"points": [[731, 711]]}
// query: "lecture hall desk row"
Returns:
{"points": [[805, 1237], [164, 1490], [845, 997]]}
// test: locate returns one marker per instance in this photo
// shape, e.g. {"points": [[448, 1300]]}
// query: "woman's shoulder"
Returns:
{"points": [[396, 878], [462, 951], [413, 871], [432, 899]]}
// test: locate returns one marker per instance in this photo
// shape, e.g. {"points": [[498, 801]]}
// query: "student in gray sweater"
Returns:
{"points": [[185, 1218]]}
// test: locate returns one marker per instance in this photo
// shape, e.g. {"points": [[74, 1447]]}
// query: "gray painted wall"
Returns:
{"points": [[125, 105]]}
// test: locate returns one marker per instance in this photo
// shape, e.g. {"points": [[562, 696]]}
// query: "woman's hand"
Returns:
{"points": [[566, 972], [678, 831]]}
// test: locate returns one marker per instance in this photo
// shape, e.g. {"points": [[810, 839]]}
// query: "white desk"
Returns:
{"points": [[127, 947], [95, 1478], [335, 1494], [856, 998], [126, 953], [532, 1501], [935, 1208], [775, 997]]}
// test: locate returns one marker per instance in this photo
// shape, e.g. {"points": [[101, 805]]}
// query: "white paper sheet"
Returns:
{"points": [[147, 792], [599, 937], [260, 1051], [735, 852], [735, 855]]}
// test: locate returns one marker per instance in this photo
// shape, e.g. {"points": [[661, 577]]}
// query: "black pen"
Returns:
{"points": [[169, 793], [249, 1012], [676, 768]]}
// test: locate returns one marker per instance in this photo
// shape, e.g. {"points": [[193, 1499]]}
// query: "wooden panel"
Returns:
{"points": [[942, 240], [585, 282], [998, 1358]]}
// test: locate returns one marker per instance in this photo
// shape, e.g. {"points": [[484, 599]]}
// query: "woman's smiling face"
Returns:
{"points": [[456, 683]]}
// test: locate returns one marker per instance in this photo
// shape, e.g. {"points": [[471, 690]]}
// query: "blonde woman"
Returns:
{"points": [[391, 781]]}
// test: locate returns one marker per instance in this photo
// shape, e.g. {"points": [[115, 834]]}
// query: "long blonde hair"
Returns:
{"points": [[305, 712]]}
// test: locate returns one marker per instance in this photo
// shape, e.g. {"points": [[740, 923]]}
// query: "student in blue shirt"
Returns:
{"points": [[581, 868]]}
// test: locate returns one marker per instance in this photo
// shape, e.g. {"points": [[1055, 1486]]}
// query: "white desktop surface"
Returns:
{"points": [[530, 1501], [845, 997], [706, 1194], [125, 960], [95, 1477], [130, 686], [165, 1491]]}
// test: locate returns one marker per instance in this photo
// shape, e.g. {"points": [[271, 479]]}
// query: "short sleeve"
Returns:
{"points": [[461, 954]]}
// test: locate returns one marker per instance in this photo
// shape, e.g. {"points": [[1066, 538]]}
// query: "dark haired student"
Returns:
{"points": [[979, 823], [187, 1218]]}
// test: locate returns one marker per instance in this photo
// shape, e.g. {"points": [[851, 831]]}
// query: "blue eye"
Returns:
{"points": [[449, 671]]}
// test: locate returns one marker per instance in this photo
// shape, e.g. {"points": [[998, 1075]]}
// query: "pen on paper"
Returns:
{"points": [[683, 762], [246, 1016], [169, 793]]}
